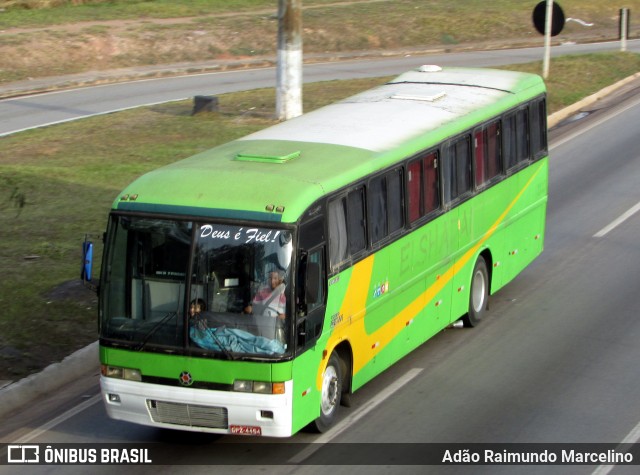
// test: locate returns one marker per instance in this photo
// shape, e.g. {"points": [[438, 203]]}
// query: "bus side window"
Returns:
{"points": [[457, 168], [522, 133], [338, 239], [509, 138], [356, 229], [431, 183], [311, 297], [423, 186], [494, 151], [414, 190], [315, 287], [311, 269], [395, 201], [347, 235], [538, 129], [479, 142], [516, 138], [385, 205], [377, 200], [487, 153]]}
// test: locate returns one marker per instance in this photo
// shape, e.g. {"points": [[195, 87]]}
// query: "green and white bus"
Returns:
{"points": [[251, 288]]}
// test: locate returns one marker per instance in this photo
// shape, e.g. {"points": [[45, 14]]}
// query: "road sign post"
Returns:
{"points": [[548, 18]]}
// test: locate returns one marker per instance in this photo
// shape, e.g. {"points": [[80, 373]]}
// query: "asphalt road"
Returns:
{"points": [[29, 111], [556, 361]]}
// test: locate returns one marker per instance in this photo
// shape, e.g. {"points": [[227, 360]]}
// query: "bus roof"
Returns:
{"points": [[292, 164]]}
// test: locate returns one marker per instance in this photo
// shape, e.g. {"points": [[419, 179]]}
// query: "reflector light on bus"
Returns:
{"points": [[128, 197], [272, 208]]}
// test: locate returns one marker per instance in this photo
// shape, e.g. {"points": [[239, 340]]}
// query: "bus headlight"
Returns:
{"points": [[243, 386], [121, 373], [259, 387]]}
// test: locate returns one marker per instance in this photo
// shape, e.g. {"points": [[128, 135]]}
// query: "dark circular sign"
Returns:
{"points": [[540, 14]]}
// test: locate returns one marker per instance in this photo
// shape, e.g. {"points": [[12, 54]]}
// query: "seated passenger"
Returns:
{"points": [[196, 307]]}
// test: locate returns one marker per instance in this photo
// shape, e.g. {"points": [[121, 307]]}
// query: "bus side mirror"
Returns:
{"points": [[87, 265], [312, 283], [87, 261]]}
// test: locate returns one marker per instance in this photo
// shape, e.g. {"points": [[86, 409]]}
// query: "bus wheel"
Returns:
{"points": [[331, 393], [478, 295]]}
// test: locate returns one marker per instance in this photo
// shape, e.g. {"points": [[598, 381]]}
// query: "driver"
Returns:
{"points": [[270, 299]]}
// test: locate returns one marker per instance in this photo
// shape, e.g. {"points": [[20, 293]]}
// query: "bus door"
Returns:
{"points": [[310, 306]]}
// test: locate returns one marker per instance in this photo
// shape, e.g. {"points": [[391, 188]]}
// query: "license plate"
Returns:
{"points": [[245, 430]]}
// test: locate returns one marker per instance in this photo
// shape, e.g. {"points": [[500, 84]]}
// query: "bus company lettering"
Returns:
{"points": [[381, 289], [430, 246], [336, 319]]}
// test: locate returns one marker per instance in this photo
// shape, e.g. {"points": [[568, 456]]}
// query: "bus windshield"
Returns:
{"points": [[215, 289]]}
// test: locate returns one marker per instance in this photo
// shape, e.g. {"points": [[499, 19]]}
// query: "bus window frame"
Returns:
{"points": [[520, 163], [448, 203], [387, 234], [483, 129], [348, 258], [424, 217], [539, 103]]}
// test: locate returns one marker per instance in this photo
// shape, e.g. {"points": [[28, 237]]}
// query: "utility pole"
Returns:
{"points": [[289, 68], [624, 28], [547, 39]]}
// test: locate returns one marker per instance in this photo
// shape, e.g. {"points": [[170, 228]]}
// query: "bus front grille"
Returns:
{"points": [[188, 414]]}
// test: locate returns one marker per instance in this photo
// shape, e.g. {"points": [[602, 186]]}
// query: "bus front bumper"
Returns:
{"points": [[199, 410]]}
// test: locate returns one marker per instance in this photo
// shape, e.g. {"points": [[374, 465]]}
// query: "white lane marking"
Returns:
{"points": [[632, 437], [618, 221], [58, 420], [356, 416]]}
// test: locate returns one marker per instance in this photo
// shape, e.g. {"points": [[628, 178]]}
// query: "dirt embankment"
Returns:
{"points": [[329, 31]]}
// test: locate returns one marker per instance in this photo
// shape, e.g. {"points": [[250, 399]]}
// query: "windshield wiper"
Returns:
{"points": [[228, 353], [155, 328]]}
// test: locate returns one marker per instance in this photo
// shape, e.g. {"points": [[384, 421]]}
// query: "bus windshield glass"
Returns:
{"points": [[216, 289]]}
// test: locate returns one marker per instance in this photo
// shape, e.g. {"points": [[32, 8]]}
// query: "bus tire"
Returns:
{"points": [[330, 395], [478, 294]]}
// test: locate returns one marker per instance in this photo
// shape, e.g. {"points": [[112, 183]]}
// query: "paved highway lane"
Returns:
{"points": [[27, 112], [555, 361]]}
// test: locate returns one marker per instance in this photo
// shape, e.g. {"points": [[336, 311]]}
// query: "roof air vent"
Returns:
{"points": [[243, 157]]}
